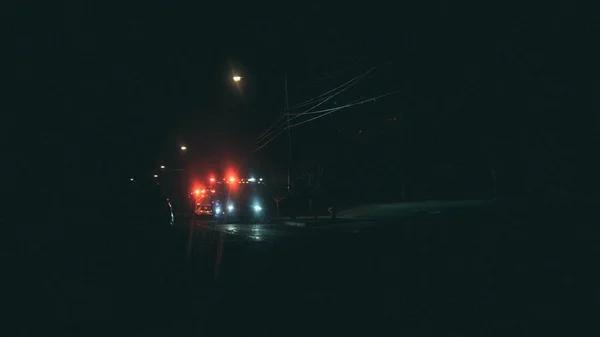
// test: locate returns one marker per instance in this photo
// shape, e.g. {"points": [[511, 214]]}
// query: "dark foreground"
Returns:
{"points": [[430, 275]]}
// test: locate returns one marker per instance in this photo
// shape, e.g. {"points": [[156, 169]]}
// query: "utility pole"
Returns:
{"points": [[402, 183], [494, 182], [289, 132]]}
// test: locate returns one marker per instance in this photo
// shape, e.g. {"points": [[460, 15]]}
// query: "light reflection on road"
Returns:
{"points": [[256, 232], [214, 245], [213, 237]]}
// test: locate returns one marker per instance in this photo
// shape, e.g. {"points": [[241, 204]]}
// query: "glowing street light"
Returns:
{"points": [[156, 176], [183, 148], [162, 167], [237, 78]]}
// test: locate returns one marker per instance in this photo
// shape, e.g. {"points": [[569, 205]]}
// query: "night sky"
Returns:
{"points": [[107, 90]]}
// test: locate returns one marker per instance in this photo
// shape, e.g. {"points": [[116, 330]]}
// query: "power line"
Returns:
{"points": [[310, 101], [352, 83], [270, 140], [348, 105], [290, 119], [281, 131], [330, 111], [348, 85], [322, 96], [273, 125]]}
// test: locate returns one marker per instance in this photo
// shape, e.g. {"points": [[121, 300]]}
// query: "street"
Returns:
{"points": [[420, 275], [259, 232]]}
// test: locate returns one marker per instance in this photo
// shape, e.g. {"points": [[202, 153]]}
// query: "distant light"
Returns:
{"points": [[131, 179], [212, 180], [162, 167], [156, 176], [231, 179], [197, 191], [230, 207], [218, 209], [260, 179], [252, 179], [203, 191], [237, 78], [257, 208], [183, 148]]}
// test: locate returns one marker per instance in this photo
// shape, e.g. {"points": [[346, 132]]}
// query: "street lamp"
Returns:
{"points": [[162, 167], [183, 148], [237, 78]]}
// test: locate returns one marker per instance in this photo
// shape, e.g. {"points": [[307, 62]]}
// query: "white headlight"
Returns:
{"points": [[257, 208], [230, 207], [218, 210]]}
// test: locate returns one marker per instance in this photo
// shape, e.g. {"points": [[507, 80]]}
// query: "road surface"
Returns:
{"points": [[431, 275], [428, 275], [407, 209]]}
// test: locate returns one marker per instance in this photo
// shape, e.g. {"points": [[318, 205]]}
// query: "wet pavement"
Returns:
{"points": [[419, 276], [433, 275]]}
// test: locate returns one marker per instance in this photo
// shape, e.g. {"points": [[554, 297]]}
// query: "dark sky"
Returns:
{"points": [[116, 87]]}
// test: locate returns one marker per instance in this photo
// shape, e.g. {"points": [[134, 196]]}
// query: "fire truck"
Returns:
{"points": [[204, 201], [232, 199]]}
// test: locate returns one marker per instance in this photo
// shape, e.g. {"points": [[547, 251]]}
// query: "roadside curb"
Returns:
{"points": [[294, 223], [337, 222]]}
